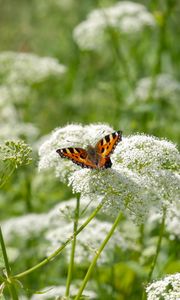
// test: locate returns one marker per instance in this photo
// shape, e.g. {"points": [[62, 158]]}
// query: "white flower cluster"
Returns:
{"points": [[157, 161], [12, 127], [23, 68], [144, 172], [56, 226], [18, 130], [88, 241], [126, 17], [57, 292], [33, 224], [173, 220], [14, 93], [24, 227], [18, 72], [167, 288], [165, 87]]}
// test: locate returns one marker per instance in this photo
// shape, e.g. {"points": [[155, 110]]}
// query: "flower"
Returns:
{"points": [[126, 17], [24, 227], [173, 221], [8, 114], [13, 93], [88, 241], [16, 152], [13, 154], [16, 130], [144, 171], [167, 288], [165, 87], [23, 68]]}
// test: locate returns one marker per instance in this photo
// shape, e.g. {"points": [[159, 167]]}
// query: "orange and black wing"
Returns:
{"points": [[78, 156], [106, 145]]}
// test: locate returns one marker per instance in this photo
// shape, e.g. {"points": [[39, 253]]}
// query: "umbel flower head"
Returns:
{"points": [[164, 88], [61, 225], [125, 17], [167, 288], [144, 170], [23, 68], [12, 155]]}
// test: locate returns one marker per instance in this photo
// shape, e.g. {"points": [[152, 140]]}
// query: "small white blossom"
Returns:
{"points": [[8, 114], [56, 292], [125, 16], [173, 219], [64, 211], [23, 68], [120, 190], [165, 87], [144, 171], [16, 130], [88, 241], [24, 227], [13, 93], [155, 160], [167, 288]]}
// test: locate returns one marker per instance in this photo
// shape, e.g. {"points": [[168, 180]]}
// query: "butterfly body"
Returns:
{"points": [[97, 157]]}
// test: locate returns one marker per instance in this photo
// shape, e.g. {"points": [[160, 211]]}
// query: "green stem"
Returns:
{"points": [[55, 253], [10, 284], [71, 263], [13, 292], [6, 261], [92, 265], [158, 247], [7, 176]]}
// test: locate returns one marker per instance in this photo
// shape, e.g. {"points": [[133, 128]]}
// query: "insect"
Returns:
{"points": [[97, 157]]}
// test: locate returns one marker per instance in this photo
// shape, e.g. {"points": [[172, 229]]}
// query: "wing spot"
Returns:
{"points": [[107, 138]]}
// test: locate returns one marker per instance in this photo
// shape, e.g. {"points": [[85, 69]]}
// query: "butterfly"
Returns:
{"points": [[97, 157]]}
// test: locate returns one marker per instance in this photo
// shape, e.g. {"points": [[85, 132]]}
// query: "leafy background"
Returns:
{"points": [[97, 87]]}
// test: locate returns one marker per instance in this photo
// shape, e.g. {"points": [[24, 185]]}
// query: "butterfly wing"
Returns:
{"points": [[106, 146], [78, 156]]}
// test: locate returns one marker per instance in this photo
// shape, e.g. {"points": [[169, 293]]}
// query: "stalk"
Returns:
{"points": [[158, 247], [71, 263], [59, 250], [8, 281], [93, 263]]}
